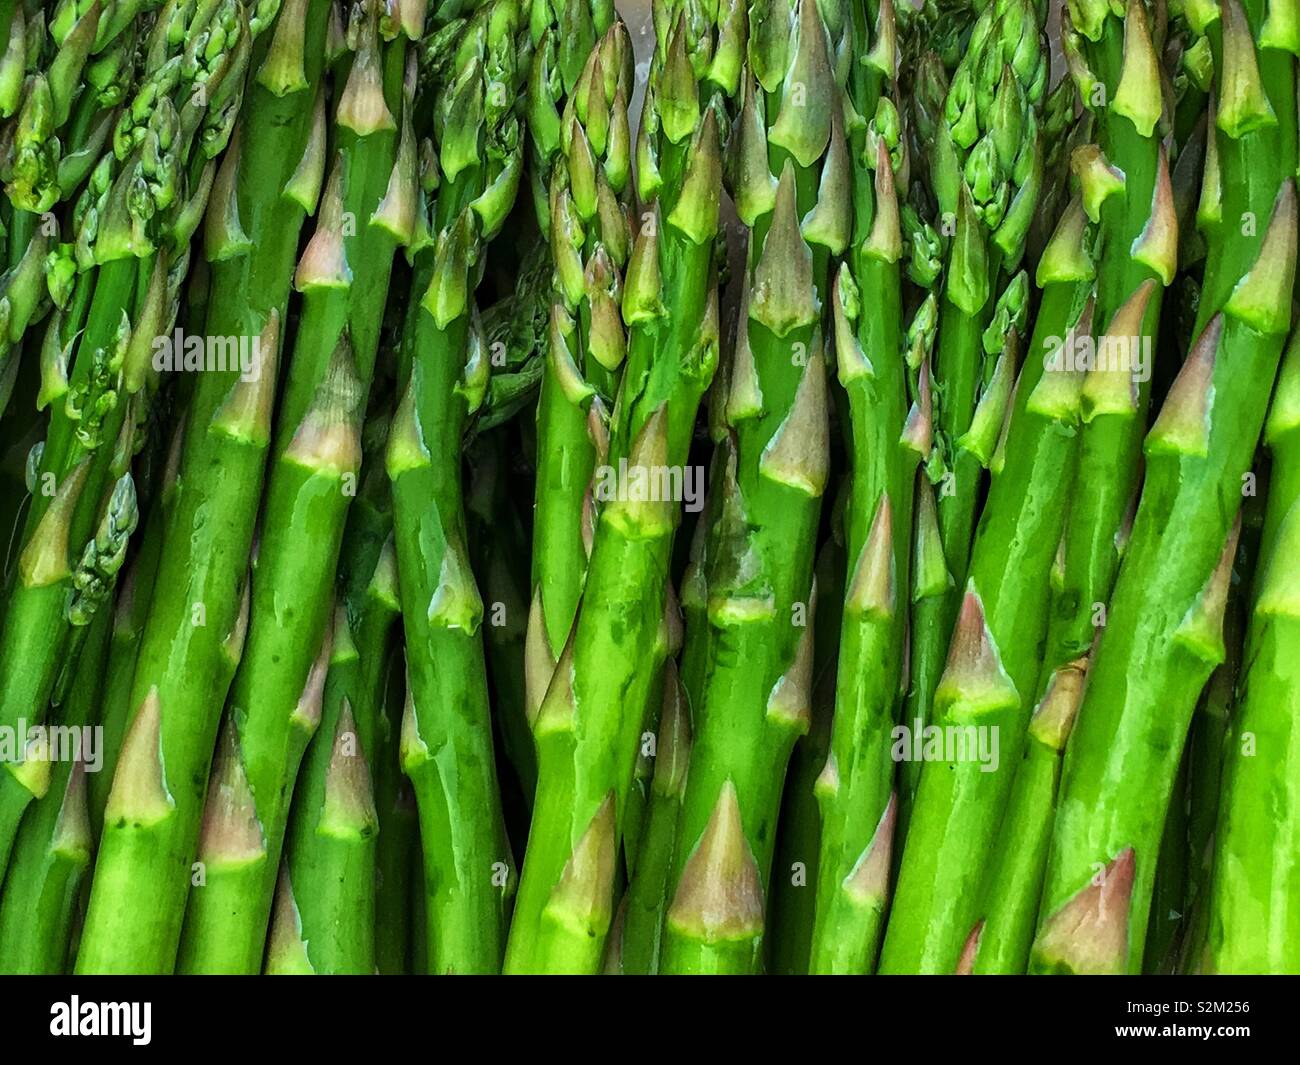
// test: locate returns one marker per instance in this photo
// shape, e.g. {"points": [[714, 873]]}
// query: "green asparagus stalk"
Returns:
{"points": [[134, 222], [134, 594], [587, 739], [499, 547], [397, 852], [324, 919], [366, 212], [646, 900], [52, 852], [193, 639], [516, 328], [986, 689], [1252, 920], [792, 191], [577, 109], [1163, 633], [446, 731], [855, 786], [136, 584], [798, 840], [986, 171], [1208, 743], [64, 75], [1130, 200], [1169, 892], [999, 942]]}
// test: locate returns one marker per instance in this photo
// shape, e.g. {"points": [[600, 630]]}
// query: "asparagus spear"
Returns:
{"points": [[1115, 66], [324, 919], [959, 804], [798, 840], [52, 851], [397, 853], [1163, 634], [268, 179], [64, 79], [136, 585], [134, 222], [985, 172], [587, 740], [129, 619], [579, 122], [1169, 891], [791, 189], [641, 942], [499, 544], [1208, 744], [854, 787], [1252, 918], [367, 211], [446, 731]]}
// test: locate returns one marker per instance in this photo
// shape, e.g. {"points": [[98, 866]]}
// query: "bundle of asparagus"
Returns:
{"points": [[975, 651]]}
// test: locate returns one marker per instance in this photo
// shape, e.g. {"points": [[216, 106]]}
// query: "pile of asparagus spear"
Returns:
{"points": [[714, 486]]}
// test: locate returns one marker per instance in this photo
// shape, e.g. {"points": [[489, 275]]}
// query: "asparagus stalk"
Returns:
{"points": [[587, 741], [792, 191], [793, 904], [136, 586], [1169, 892], [64, 73], [134, 222], [446, 732], [646, 901], [1163, 634], [1013, 879], [577, 109], [366, 212], [1252, 918], [854, 788], [324, 918], [499, 545], [397, 852], [268, 179], [1114, 63], [1208, 744], [986, 170], [986, 689], [53, 849], [129, 619], [959, 805]]}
